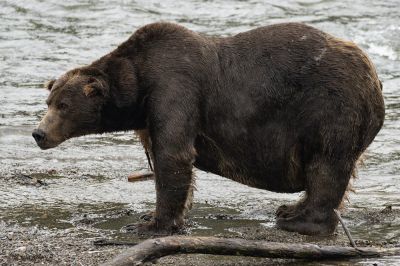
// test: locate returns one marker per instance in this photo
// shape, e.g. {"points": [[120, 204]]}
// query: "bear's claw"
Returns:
{"points": [[286, 211], [308, 222], [147, 216], [151, 229]]}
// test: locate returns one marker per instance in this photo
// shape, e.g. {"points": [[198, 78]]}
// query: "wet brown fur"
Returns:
{"points": [[144, 138], [285, 108]]}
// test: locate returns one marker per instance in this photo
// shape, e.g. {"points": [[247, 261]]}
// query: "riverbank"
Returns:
{"points": [[53, 236]]}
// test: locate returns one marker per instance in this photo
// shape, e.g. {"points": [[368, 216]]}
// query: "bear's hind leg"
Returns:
{"points": [[327, 181], [286, 211]]}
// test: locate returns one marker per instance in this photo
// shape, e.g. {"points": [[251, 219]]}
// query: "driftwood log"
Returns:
{"points": [[152, 249]]}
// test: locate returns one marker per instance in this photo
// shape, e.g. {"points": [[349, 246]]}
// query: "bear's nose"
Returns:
{"points": [[38, 135]]}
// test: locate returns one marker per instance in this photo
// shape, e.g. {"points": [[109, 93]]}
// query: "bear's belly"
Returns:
{"points": [[283, 174]]}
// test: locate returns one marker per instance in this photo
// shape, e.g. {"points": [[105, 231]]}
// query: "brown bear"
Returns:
{"points": [[284, 108]]}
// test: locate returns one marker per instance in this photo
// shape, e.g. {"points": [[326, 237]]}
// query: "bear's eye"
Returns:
{"points": [[62, 106]]}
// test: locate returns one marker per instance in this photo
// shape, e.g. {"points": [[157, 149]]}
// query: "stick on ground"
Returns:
{"points": [[135, 177], [152, 249], [107, 242], [346, 230]]}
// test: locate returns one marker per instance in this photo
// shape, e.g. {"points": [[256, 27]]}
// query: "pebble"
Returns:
{"points": [[20, 249]]}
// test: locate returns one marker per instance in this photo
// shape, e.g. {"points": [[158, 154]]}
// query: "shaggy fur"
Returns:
{"points": [[285, 108]]}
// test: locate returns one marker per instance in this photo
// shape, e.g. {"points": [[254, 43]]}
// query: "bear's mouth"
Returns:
{"points": [[45, 145]]}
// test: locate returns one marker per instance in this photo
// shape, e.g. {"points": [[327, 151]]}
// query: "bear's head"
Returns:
{"points": [[75, 105]]}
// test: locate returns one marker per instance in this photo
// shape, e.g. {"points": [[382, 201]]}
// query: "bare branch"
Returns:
{"points": [[346, 230], [152, 249]]}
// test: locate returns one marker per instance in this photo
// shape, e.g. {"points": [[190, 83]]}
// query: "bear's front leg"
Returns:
{"points": [[173, 179], [173, 124], [174, 154]]}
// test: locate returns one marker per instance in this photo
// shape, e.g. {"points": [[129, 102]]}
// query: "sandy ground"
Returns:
{"points": [[33, 245]]}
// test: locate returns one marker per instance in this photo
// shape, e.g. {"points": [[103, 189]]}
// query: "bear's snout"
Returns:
{"points": [[39, 136]]}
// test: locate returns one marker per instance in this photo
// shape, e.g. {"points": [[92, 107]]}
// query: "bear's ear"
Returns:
{"points": [[95, 87], [49, 84]]}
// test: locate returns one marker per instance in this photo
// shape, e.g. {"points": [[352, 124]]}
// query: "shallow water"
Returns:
{"points": [[40, 40]]}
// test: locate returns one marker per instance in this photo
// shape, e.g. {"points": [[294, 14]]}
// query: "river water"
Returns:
{"points": [[40, 40]]}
